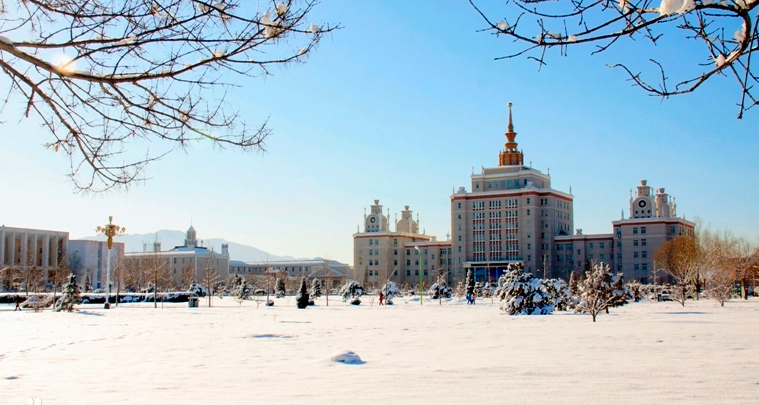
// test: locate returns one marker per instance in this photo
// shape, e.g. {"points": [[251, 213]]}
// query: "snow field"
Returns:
{"points": [[451, 354]]}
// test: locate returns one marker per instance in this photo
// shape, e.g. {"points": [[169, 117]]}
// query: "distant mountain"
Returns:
{"points": [[169, 239]]}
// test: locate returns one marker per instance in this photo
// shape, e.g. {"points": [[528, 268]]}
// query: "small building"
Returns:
{"points": [[88, 258]]}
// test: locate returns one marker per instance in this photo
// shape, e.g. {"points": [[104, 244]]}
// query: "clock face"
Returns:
{"points": [[373, 219], [642, 203]]}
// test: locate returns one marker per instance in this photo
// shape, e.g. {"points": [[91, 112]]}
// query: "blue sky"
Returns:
{"points": [[399, 105]]}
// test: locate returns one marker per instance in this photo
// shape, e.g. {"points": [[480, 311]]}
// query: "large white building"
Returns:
{"points": [[512, 214], [89, 258]]}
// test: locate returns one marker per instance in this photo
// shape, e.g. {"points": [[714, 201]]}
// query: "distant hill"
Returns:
{"points": [[169, 239]]}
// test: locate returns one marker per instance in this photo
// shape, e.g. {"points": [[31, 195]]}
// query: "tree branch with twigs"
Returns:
{"points": [[727, 31], [108, 78]]}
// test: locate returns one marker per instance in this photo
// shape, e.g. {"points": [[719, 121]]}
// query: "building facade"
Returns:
{"points": [[332, 273], [88, 258], [184, 261], [511, 214], [403, 255], [24, 247]]}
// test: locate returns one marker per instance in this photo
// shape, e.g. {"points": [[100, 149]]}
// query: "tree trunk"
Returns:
{"points": [[593, 314], [744, 288]]}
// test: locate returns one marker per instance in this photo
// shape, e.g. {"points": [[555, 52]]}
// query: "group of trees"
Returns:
{"points": [[708, 261], [521, 293]]}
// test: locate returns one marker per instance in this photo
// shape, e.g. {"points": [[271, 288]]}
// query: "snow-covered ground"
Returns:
{"points": [[647, 353]]}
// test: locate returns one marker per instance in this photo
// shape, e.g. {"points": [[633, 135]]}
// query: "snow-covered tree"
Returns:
{"points": [[302, 297], [280, 288], [573, 283], [635, 289], [69, 295], [316, 289], [197, 290], [469, 282], [391, 290], [441, 290], [725, 29], [558, 293], [601, 290], [241, 290], [351, 289], [523, 294], [86, 284]]}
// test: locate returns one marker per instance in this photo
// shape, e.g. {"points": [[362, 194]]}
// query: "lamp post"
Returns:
{"points": [[109, 231], [421, 288]]}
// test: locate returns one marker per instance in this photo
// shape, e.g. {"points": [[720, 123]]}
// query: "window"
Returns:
{"points": [[671, 229], [601, 257], [528, 200], [600, 245], [395, 252], [395, 243], [371, 242], [408, 262], [529, 246], [619, 256], [175, 260], [645, 266], [529, 258], [636, 267], [416, 262], [370, 252], [590, 245], [635, 242], [395, 262], [590, 257], [619, 244], [642, 229], [643, 242], [376, 252], [408, 252], [635, 231], [459, 238], [408, 272], [459, 248], [416, 272], [644, 254], [635, 255], [528, 212]]}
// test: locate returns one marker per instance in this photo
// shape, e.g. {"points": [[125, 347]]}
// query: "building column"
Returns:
{"points": [[34, 257], [24, 250], [12, 249], [46, 250], [54, 250], [2, 247]]}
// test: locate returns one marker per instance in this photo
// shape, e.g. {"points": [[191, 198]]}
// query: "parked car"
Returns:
{"points": [[663, 296]]}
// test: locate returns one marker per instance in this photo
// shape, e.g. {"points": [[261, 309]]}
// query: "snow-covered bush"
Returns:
{"points": [[635, 289], [438, 290], [279, 288], [302, 297], [469, 283], [70, 295], [86, 284], [391, 290], [240, 289], [558, 293], [573, 283], [523, 294], [351, 289], [316, 289], [197, 290]]}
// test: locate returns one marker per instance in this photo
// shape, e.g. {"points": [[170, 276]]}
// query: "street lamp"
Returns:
{"points": [[109, 231]]}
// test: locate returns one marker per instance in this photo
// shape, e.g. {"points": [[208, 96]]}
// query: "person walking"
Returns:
{"points": [[469, 299], [17, 298], [381, 297], [474, 297]]}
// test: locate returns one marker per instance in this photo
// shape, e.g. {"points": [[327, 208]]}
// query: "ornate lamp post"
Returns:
{"points": [[109, 231]]}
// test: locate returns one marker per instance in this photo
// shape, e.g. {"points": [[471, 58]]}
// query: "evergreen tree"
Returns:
{"points": [[469, 282], [573, 283], [351, 289], [316, 289], [559, 294], [196, 290], [390, 289], [302, 297], [523, 294], [70, 294], [601, 290], [241, 289], [86, 284], [280, 288]]}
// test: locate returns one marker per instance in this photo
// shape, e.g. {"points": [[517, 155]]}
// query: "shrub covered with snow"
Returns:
{"points": [[351, 289], [197, 290], [279, 288], [441, 290], [391, 290], [558, 293], [469, 282], [241, 290], [523, 294]]}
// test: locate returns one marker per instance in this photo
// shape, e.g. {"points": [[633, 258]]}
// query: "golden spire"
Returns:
{"points": [[510, 154]]}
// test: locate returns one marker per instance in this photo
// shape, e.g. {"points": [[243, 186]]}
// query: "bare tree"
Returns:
{"points": [[210, 277], [108, 77], [746, 261], [157, 269], [722, 275], [58, 274], [680, 258], [726, 29], [188, 276]]}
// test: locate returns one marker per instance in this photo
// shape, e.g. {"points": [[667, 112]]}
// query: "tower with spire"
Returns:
{"points": [[510, 155]]}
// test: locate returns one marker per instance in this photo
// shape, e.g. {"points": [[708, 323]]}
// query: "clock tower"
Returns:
{"points": [[375, 221], [642, 206]]}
